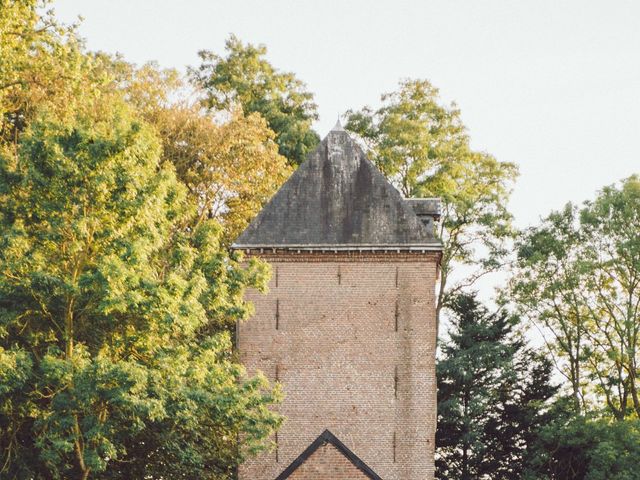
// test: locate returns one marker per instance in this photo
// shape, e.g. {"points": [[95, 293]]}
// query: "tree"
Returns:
{"points": [[578, 276], [423, 148], [114, 311], [582, 448], [41, 66], [492, 395], [231, 166], [245, 79], [548, 291]]}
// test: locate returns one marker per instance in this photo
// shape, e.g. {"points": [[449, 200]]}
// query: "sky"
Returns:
{"points": [[551, 86]]}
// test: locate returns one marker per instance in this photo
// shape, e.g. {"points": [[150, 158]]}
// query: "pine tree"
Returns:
{"points": [[492, 395]]}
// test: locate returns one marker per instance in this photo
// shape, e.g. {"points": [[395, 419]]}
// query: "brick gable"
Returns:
{"points": [[328, 458]]}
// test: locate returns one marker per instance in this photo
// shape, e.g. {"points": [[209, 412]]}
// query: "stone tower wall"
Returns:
{"points": [[351, 336]]}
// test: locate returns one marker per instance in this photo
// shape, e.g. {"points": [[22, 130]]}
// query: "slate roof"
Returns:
{"points": [[338, 198], [324, 438]]}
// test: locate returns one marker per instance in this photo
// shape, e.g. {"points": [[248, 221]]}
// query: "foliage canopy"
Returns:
{"points": [[577, 277], [493, 395], [245, 79], [116, 295], [423, 148]]}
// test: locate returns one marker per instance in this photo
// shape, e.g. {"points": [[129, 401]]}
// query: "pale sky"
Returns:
{"points": [[553, 86]]}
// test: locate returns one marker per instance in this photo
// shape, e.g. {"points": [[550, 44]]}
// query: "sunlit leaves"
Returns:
{"points": [[578, 275], [244, 79], [107, 279], [423, 148]]}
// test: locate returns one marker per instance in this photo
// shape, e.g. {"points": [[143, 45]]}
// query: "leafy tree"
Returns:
{"points": [[583, 448], [232, 168], [577, 276], [548, 290], [230, 165], [492, 394], [245, 79], [41, 66], [423, 148], [113, 308], [30, 44]]}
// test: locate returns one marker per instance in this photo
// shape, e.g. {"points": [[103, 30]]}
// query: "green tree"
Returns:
{"points": [[229, 163], [578, 277], [548, 290], [245, 79], [423, 148], [583, 448], [492, 396], [42, 65], [114, 306], [232, 167]]}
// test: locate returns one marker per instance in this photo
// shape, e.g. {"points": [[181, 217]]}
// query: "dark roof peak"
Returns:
{"points": [[337, 197], [338, 127]]}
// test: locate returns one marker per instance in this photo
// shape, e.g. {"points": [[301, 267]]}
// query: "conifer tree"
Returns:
{"points": [[492, 394]]}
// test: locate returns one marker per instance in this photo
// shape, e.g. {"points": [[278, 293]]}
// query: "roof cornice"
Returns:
{"points": [[426, 247]]}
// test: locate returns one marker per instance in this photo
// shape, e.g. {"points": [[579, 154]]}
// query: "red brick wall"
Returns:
{"points": [[327, 463], [352, 339]]}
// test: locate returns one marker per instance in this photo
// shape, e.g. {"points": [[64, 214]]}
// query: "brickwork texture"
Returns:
{"points": [[328, 463], [351, 338]]}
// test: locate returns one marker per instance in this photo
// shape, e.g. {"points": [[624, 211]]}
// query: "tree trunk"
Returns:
{"points": [[465, 444], [79, 447]]}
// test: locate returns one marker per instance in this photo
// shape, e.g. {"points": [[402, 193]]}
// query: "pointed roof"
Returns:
{"points": [[338, 198], [338, 127], [325, 438]]}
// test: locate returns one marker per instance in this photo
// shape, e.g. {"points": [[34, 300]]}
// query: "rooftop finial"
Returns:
{"points": [[337, 127]]}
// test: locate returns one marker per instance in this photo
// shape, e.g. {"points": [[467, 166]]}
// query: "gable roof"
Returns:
{"points": [[337, 197], [324, 438]]}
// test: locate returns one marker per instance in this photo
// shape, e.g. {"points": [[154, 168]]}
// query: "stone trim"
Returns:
{"points": [[435, 246], [343, 256], [324, 438]]}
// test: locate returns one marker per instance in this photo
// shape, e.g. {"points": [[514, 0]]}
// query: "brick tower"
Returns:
{"points": [[348, 325]]}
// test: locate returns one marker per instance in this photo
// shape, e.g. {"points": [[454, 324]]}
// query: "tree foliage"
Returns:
{"points": [[423, 148], [116, 296], [35, 51], [231, 167], [578, 277], [245, 79], [582, 448], [115, 303], [229, 164], [42, 66], [492, 396]]}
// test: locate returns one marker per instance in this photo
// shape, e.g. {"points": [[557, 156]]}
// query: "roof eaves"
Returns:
{"points": [[435, 246]]}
